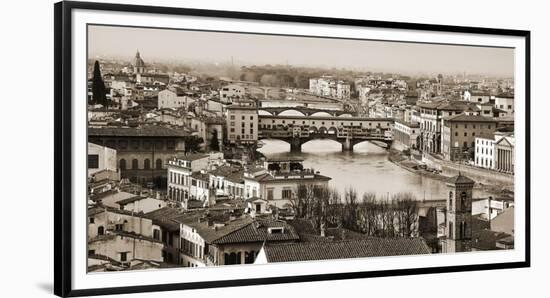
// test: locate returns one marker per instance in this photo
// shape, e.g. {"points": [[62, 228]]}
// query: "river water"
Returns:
{"points": [[367, 169]]}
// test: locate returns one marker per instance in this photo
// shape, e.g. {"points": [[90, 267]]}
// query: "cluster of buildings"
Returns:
{"points": [[459, 130], [329, 86], [154, 203]]}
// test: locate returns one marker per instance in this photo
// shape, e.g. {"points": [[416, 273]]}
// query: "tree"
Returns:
{"points": [[192, 143], [214, 142], [99, 92]]}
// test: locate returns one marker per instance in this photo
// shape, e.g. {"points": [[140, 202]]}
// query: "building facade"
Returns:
{"points": [[231, 92], [101, 158], [484, 152], [242, 122], [407, 134], [459, 134], [142, 152], [504, 153]]}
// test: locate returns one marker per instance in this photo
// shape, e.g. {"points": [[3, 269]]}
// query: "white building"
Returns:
{"points": [[168, 99], [101, 158], [330, 87], [231, 92], [180, 170], [504, 152], [484, 153], [505, 102], [477, 96], [242, 122]]}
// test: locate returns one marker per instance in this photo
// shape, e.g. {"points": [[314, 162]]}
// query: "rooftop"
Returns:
{"points": [[326, 250], [258, 231], [469, 118], [460, 179], [143, 131]]}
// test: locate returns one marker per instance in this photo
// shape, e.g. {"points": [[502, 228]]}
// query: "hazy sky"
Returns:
{"points": [[155, 44]]}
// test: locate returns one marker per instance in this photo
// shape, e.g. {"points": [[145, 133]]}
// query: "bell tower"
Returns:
{"points": [[458, 219]]}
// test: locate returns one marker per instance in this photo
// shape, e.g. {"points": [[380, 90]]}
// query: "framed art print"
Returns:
{"points": [[199, 148]]}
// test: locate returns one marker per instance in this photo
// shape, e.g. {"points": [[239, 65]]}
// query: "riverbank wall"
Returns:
{"points": [[480, 175]]}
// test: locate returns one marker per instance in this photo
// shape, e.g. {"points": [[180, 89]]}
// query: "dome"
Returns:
{"points": [[138, 62]]}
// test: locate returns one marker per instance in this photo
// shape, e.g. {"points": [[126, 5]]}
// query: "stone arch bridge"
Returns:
{"points": [[349, 131]]}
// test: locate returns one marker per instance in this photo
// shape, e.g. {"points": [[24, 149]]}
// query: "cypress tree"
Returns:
{"points": [[214, 143], [99, 92]]}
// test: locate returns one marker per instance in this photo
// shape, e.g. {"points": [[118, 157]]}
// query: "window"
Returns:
{"points": [[450, 201], [92, 220], [91, 252], [134, 164], [251, 117], [93, 161], [242, 117], [451, 230], [465, 134], [170, 144], [287, 194], [270, 193], [134, 144], [119, 227], [232, 129], [147, 164], [232, 117], [158, 165], [123, 256], [100, 230]]}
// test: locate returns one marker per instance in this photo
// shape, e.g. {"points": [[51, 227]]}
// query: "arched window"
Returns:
{"points": [[100, 230], [122, 164], [134, 164], [147, 164], [159, 164]]}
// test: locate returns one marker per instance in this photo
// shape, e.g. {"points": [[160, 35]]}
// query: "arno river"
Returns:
{"points": [[367, 169]]}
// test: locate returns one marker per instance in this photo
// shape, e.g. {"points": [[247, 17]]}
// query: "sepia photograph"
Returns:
{"points": [[220, 148]]}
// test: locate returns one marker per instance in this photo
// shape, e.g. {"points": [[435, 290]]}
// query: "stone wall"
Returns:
{"points": [[480, 175]]}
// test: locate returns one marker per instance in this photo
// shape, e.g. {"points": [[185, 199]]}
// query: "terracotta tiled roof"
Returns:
{"points": [[144, 131], [460, 179], [375, 247], [258, 231], [164, 217], [469, 118]]}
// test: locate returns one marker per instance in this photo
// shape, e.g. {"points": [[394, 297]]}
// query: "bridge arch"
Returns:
{"points": [[322, 130], [291, 112], [264, 113], [320, 114], [345, 115]]}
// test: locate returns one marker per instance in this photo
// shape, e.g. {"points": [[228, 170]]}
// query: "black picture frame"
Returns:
{"points": [[62, 145]]}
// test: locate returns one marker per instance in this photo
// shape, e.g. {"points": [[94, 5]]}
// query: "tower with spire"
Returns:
{"points": [[458, 217]]}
